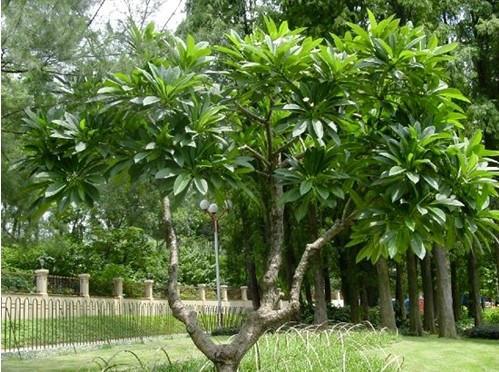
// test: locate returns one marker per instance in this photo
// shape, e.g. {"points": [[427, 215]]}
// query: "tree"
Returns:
{"points": [[299, 115]]}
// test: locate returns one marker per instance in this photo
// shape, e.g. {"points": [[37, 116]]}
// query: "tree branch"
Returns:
{"points": [[251, 115]]}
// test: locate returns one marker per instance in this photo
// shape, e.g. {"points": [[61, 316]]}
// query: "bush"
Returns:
{"points": [[488, 331], [491, 315]]}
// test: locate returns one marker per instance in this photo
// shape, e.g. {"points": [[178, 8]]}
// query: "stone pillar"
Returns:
{"points": [[202, 292], [118, 287], [244, 293], [84, 285], [41, 282], [223, 290], [281, 296], [148, 289]]}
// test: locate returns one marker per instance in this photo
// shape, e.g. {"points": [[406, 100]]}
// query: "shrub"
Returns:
{"points": [[491, 315], [489, 331]]}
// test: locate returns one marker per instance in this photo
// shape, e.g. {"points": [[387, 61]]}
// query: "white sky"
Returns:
{"points": [[115, 11]]}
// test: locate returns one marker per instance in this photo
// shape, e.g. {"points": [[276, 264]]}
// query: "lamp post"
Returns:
{"points": [[212, 210]]}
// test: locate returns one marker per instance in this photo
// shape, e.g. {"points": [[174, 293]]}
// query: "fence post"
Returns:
{"points": [[41, 282], [84, 285], [118, 287], [244, 293], [225, 298], [148, 288], [202, 292]]}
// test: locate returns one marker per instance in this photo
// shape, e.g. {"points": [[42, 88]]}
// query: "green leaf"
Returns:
{"points": [[54, 189], [318, 128], [431, 181], [164, 173], [201, 185], [139, 156], [305, 186], [453, 93], [80, 147], [413, 177], [149, 100], [410, 223], [396, 170], [181, 182], [444, 49], [290, 196], [417, 246]]}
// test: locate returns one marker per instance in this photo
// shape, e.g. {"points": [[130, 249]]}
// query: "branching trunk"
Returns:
{"points": [[474, 285], [385, 298], [412, 280], [226, 357], [429, 313], [446, 322]]}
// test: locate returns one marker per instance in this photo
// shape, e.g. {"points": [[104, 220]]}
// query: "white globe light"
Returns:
{"points": [[204, 204], [213, 208]]}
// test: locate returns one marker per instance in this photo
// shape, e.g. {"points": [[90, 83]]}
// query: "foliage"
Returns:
{"points": [[491, 315]]}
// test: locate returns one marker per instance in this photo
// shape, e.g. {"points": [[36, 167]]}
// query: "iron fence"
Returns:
{"points": [[65, 285], [30, 323]]}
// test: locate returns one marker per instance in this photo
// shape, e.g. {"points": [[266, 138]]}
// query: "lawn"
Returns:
{"points": [[418, 354], [436, 354]]}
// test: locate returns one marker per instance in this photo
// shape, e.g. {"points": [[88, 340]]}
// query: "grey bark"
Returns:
{"points": [[412, 281], [399, 292], [446, 322], [474, 286], [456, 298], [429, 313], [385, 298]]}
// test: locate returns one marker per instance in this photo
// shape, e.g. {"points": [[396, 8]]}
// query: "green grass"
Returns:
{"points": [[431, 353], [292, 351]]}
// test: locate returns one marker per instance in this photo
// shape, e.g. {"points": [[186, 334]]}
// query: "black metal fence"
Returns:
{"points": [[65, 285], [36, 323]]}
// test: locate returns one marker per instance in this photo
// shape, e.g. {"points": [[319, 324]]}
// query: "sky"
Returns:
{"points": [[116, 10]]}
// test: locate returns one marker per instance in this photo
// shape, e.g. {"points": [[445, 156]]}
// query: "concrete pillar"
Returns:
{"points": [[223, 290], [42, 282], [148, 289], [118, 287], [84, 285], [202, 292], [244, 293]]}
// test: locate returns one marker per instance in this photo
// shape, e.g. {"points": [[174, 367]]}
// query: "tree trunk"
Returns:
{"points": [[497, 272], [456, 298], [253, 289], [412, 281], [446, 322], [327, 282], [364, 302], [353, 286], [399, 293], [385, 298], [320, 309], [308, 292], [474, 285], [429, 309]]}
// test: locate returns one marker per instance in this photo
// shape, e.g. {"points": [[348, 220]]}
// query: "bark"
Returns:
{"points": [[308, 292], [429, 309], [497, 272], [412, 281], [364, 302], [253, 289], [320, 309], [353, 286], [399, 293], [456, 298], [446, 322], [474, 285], [327, 283], [385, 298]]}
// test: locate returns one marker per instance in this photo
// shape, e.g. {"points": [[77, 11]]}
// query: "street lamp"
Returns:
{"points": [[212, 210]]}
